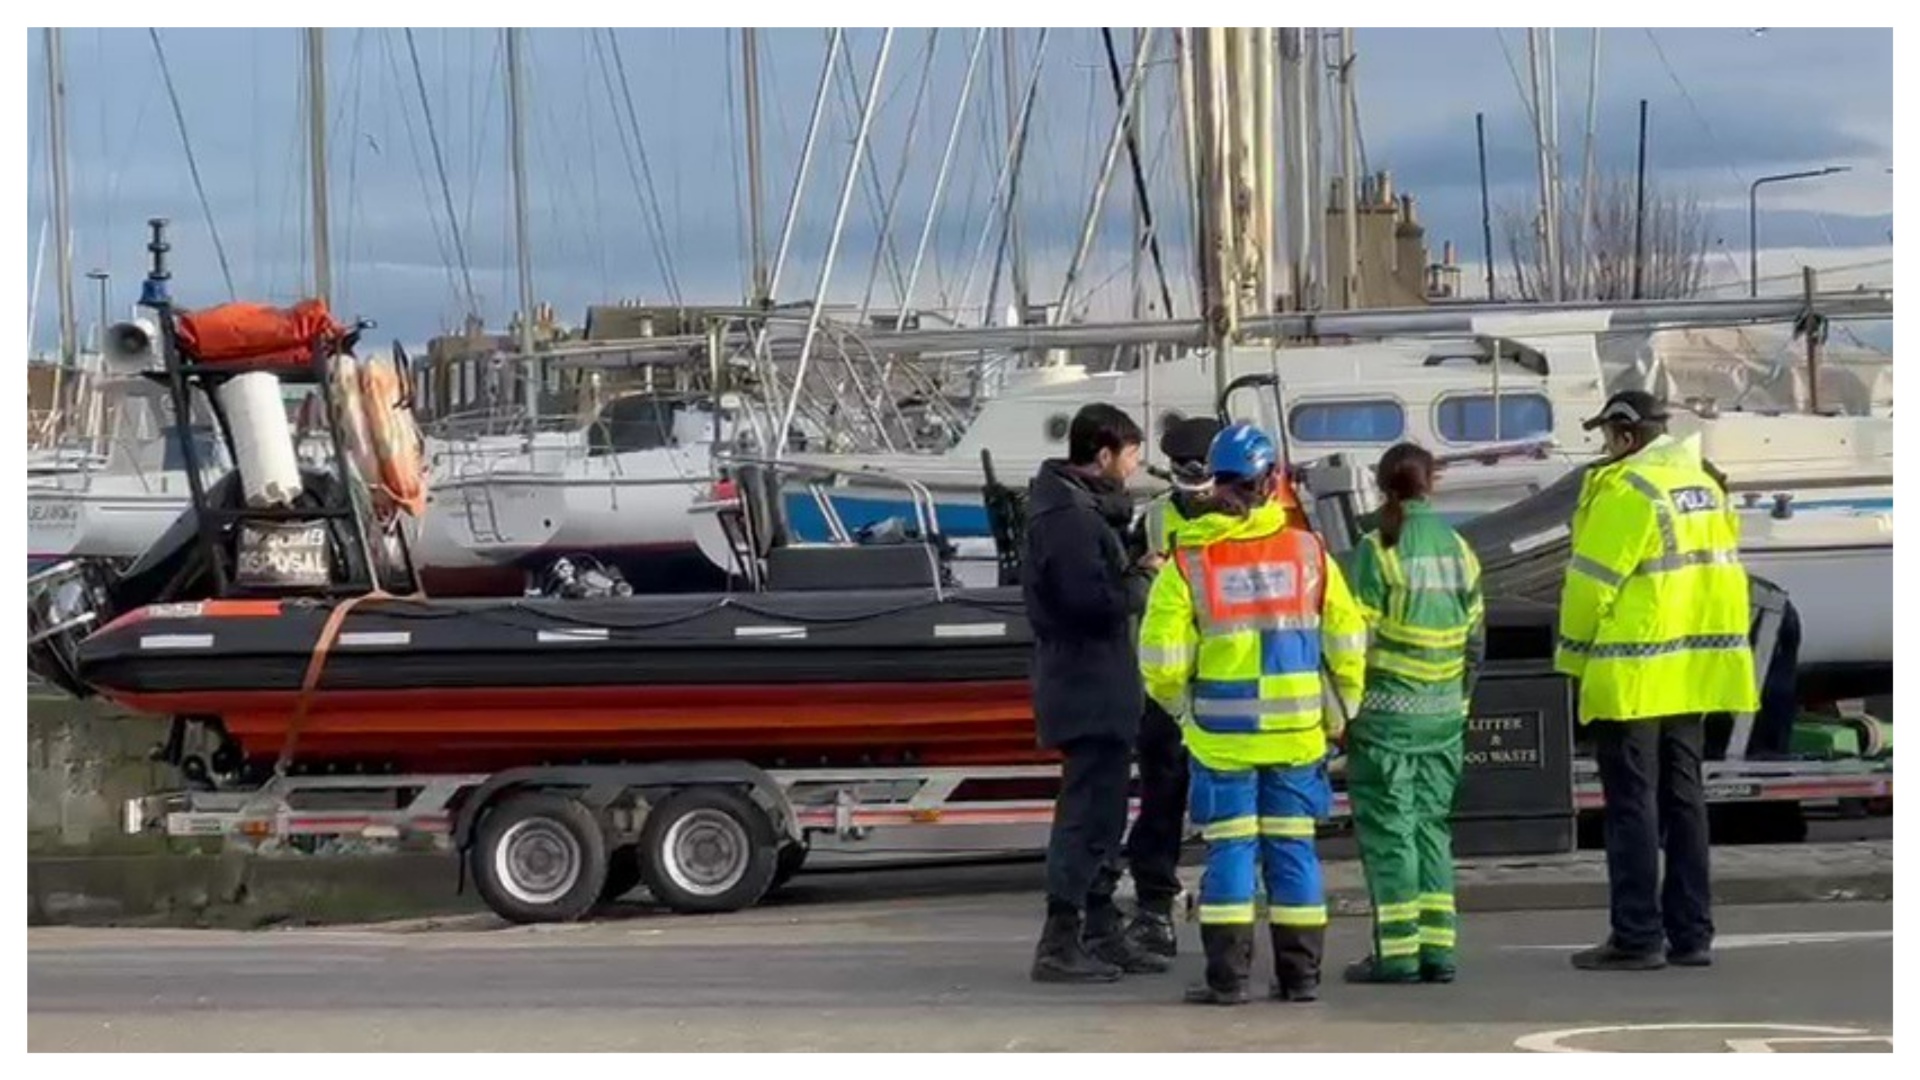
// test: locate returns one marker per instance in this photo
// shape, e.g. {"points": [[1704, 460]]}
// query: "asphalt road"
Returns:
{"points": [[842, 968]]}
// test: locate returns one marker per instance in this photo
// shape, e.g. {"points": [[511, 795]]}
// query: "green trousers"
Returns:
{"points": [[1402, 790]]}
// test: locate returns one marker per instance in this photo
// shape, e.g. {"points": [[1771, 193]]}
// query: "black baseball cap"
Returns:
{"points": [[1626, 408], [1187, 441]]}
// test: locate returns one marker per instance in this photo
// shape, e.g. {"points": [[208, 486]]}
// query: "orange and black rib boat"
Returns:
{"points": [[839, 677]]}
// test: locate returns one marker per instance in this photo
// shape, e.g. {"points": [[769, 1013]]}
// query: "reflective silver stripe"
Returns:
{"points": [[1568, 644], [970, 630], [1194, 571], [1669, 543], [571, 634], [1263, 622], [1434, 573], [176, 641], [1347, 642], [1640, 650], [1177, 656], [377, 637], [1583, 565], [1667, 563], [1411, 704], [1254, 708]]}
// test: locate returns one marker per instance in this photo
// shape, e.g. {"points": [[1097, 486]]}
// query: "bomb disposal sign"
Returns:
{"points": [[289, 555]]}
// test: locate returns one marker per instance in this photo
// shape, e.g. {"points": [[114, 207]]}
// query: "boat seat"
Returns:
{"points": [[814, 567]]}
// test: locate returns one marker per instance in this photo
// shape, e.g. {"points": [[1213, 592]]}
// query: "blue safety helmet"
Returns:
{"points": [[1241, 452]]}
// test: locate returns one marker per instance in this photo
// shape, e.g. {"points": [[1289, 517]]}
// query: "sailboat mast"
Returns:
{"points": [[750, 71], [62, 214], [1016, 134], [1549, 232], [522, 250], [1350, 297], [316, 50]]}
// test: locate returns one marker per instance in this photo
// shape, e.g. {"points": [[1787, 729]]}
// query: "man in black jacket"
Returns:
{"points": [[1153, 844], [1083, 595]]}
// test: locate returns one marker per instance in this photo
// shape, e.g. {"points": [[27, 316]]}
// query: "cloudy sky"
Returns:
{"points": [[637, 177]]}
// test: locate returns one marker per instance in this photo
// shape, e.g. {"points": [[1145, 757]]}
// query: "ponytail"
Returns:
{"points": [[1405, 474]]}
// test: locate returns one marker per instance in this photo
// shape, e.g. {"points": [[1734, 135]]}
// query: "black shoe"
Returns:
{"points": [[1436, 973], [1606, 957], [1202, 994], [1370, 970], [1702, 957], [1107, 939], [1152, 932], [1062, 958], [1123, 952], [1304, 991], [1296, 961], [1229, 960]]}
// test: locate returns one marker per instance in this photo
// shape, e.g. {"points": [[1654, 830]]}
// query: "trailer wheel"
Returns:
{"points": [[707, 850], [540, 858], [623, 873]]}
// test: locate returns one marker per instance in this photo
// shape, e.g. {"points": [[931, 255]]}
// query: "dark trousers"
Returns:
{"points": [[1089, 817], [1655, 802], [1153, 844]]}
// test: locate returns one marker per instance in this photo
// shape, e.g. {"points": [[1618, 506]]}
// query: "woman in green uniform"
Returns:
{"points": [[1418, 584]]}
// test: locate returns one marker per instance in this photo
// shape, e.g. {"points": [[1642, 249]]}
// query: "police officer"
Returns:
{"points": [[1233, 642], [1654, 620]]}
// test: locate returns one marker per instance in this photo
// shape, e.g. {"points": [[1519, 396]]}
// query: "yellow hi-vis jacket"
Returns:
{"points": [[1655, 612], [1234, 638]]}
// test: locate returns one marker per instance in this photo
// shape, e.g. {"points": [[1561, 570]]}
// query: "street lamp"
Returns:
{"points": [[1753, 217], [100, 334]]}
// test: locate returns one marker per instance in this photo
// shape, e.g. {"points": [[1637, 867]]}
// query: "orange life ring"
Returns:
{"points": [[396, 441]]}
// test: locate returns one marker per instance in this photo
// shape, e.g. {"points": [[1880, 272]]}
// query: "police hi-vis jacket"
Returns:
{"points": [[1234, 637], [1655, 612]]}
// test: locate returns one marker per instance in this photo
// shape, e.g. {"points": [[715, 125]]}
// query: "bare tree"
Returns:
{"points": [[1602, 268]]}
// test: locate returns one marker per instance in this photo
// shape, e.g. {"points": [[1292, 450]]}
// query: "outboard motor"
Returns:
{"points": [[1340, 498], [66, 602]]}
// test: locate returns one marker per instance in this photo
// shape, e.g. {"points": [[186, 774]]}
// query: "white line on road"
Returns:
{"points": [[1554, 1042], [1750, 941]]}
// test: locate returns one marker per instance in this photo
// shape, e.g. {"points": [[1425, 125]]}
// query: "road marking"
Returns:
{"points": [[1749, 941], [1765, 1046], [1549, 1042]]}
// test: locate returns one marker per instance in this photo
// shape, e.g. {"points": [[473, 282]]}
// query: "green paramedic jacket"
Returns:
{"points": [[1426, 632]]}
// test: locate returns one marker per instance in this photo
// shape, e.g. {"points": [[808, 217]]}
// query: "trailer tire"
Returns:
{"points": [[539, 857], [623, 873], [707, 849]]}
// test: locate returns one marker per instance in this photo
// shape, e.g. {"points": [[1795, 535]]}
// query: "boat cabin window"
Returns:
{"points": [[1470, 418], [635, 422], [1369, 420]]}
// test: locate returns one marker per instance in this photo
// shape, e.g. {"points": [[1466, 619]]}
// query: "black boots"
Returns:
{"points": [[1152, 932], [1109, 941], [1063, 958], [1296, 962], [1229, 962], [1371, 970], [1609, 957]]}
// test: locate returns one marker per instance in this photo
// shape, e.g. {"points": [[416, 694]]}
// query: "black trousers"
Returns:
{"points": [[1655, 803], [1153, 844], [1089, 818]]}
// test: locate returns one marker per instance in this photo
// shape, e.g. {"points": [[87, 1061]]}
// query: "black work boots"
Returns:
{"points": [[1296, 963], [1229, 962], [1062, 957], [1109, 940]]}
